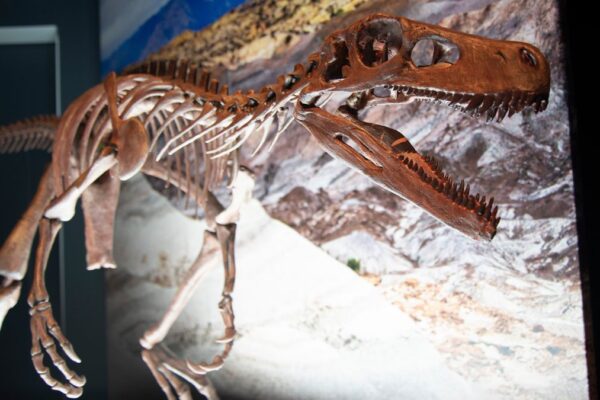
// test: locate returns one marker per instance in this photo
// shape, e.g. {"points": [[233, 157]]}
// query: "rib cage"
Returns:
{"points": [[35, 133], [165, 110]]}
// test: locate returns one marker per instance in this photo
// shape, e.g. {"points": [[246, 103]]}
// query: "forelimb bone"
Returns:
{"points": [[99, 203], [14, 254]]}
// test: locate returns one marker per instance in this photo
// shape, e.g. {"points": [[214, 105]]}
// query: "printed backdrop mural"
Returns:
{"points": [[131, 30], [345, 290]]}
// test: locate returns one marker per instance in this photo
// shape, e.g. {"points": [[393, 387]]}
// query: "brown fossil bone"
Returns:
{"points": [[172, 121]]}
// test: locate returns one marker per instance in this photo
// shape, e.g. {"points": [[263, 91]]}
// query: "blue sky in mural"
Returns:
{"points": [[130, 30]]}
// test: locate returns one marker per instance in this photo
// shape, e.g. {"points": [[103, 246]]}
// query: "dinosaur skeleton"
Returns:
{"points": [[169, 120]]}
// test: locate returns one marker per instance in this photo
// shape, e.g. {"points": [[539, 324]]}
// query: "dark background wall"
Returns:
{"points": [[576, 24], [27, 76]]}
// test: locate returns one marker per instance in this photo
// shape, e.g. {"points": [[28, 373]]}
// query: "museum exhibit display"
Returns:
{"points": [[286, 203]]}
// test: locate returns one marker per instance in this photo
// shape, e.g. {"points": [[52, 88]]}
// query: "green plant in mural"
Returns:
{"points": [[354, 264]]}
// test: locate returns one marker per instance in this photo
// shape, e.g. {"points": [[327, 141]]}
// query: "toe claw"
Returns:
{"points": [[45, 335], [201, 368]]}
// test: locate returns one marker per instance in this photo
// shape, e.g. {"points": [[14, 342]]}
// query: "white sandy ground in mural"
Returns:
{"points": [[310, 328]]}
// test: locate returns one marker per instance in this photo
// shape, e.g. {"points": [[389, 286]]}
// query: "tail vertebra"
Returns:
{"points": [[35, 133]]}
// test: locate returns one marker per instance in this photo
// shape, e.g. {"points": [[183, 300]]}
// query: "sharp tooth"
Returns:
{"points": [[488, 102], [494, 213], [515, 100], [456, 98], [454, 194], [491, 114], [496, 222], [538, 102], [488, 209], [480, 210], [487, 212], [523, 102], [467, 190], [461, 188], [475, 102], [471, 202], [501, 113]]}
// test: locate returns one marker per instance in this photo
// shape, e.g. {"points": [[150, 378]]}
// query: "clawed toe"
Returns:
{"points": [[171, 374], [45, 333]]}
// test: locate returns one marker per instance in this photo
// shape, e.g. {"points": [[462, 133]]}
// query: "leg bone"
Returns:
{"points": [[193, 278], [241, 192]]}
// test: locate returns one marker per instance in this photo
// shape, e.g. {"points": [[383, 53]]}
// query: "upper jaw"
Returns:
{"points": [[433, 62], [489, 106]]}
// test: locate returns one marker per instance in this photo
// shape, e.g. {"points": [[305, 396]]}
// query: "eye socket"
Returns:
{"points": [[423, 53], [434, 50], [378, 41]]}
